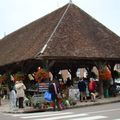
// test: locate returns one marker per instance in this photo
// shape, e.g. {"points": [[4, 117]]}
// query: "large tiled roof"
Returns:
{"points": [[70, 33]]}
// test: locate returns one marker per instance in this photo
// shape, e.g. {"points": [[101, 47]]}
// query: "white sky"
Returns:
{"points": [[15, 14]]}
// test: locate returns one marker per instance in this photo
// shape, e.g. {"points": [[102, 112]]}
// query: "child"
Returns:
{"points": [[92, 89]]}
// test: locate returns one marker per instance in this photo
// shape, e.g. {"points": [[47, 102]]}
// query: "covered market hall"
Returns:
{"points": [[66, 40]]}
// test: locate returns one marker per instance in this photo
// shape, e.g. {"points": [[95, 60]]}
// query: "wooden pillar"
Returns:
{"points": [[112, 71], [89, 70], [73, 70]]}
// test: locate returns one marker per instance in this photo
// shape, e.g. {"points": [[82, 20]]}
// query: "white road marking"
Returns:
{"points": [[47, 115], [90, 118], [63, 117], [63, 114], [59, 115], [103, 111]]}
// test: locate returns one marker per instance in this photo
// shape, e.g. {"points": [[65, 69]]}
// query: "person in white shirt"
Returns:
{"points": [[20, 89]]}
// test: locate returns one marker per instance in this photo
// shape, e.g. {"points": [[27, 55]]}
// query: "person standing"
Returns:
{"points": [[20, 87], [54, 90], [13, 98], [92, 89], [82, 89]]}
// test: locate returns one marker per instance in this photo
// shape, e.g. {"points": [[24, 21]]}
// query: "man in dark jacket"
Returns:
{"points": [[54, 90]]}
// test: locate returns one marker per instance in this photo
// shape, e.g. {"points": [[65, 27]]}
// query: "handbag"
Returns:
{"points": [[47, 96]]}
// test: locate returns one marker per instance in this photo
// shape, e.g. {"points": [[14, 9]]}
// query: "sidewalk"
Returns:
{"points": [[5, 105]]}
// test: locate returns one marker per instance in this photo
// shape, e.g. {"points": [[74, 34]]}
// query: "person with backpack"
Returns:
{"points": [[54, 90], [82, 89]]}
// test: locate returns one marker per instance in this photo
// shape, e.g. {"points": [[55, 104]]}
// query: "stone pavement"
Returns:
{"points": [[5, 105]]}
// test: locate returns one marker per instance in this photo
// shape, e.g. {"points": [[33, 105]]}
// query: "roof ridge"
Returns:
{"points": [[45, 46]]}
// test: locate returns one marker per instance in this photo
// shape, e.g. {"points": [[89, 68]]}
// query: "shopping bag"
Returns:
{"points": [[47, 96]]}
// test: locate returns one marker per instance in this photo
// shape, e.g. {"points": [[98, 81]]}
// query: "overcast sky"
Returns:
{"points": [[15, 14]]}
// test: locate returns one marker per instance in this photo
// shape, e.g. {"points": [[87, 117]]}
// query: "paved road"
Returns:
{"points": [[101, 112]]}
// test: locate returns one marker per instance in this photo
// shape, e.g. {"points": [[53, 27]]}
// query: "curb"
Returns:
{"points": [[94, 104], [72, 107]]}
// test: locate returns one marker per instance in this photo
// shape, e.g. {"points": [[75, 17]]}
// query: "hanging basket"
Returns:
{"points": [[41, 74]]}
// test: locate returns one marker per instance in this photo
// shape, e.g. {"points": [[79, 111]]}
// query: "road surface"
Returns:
{"points": [[100, 112]]}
